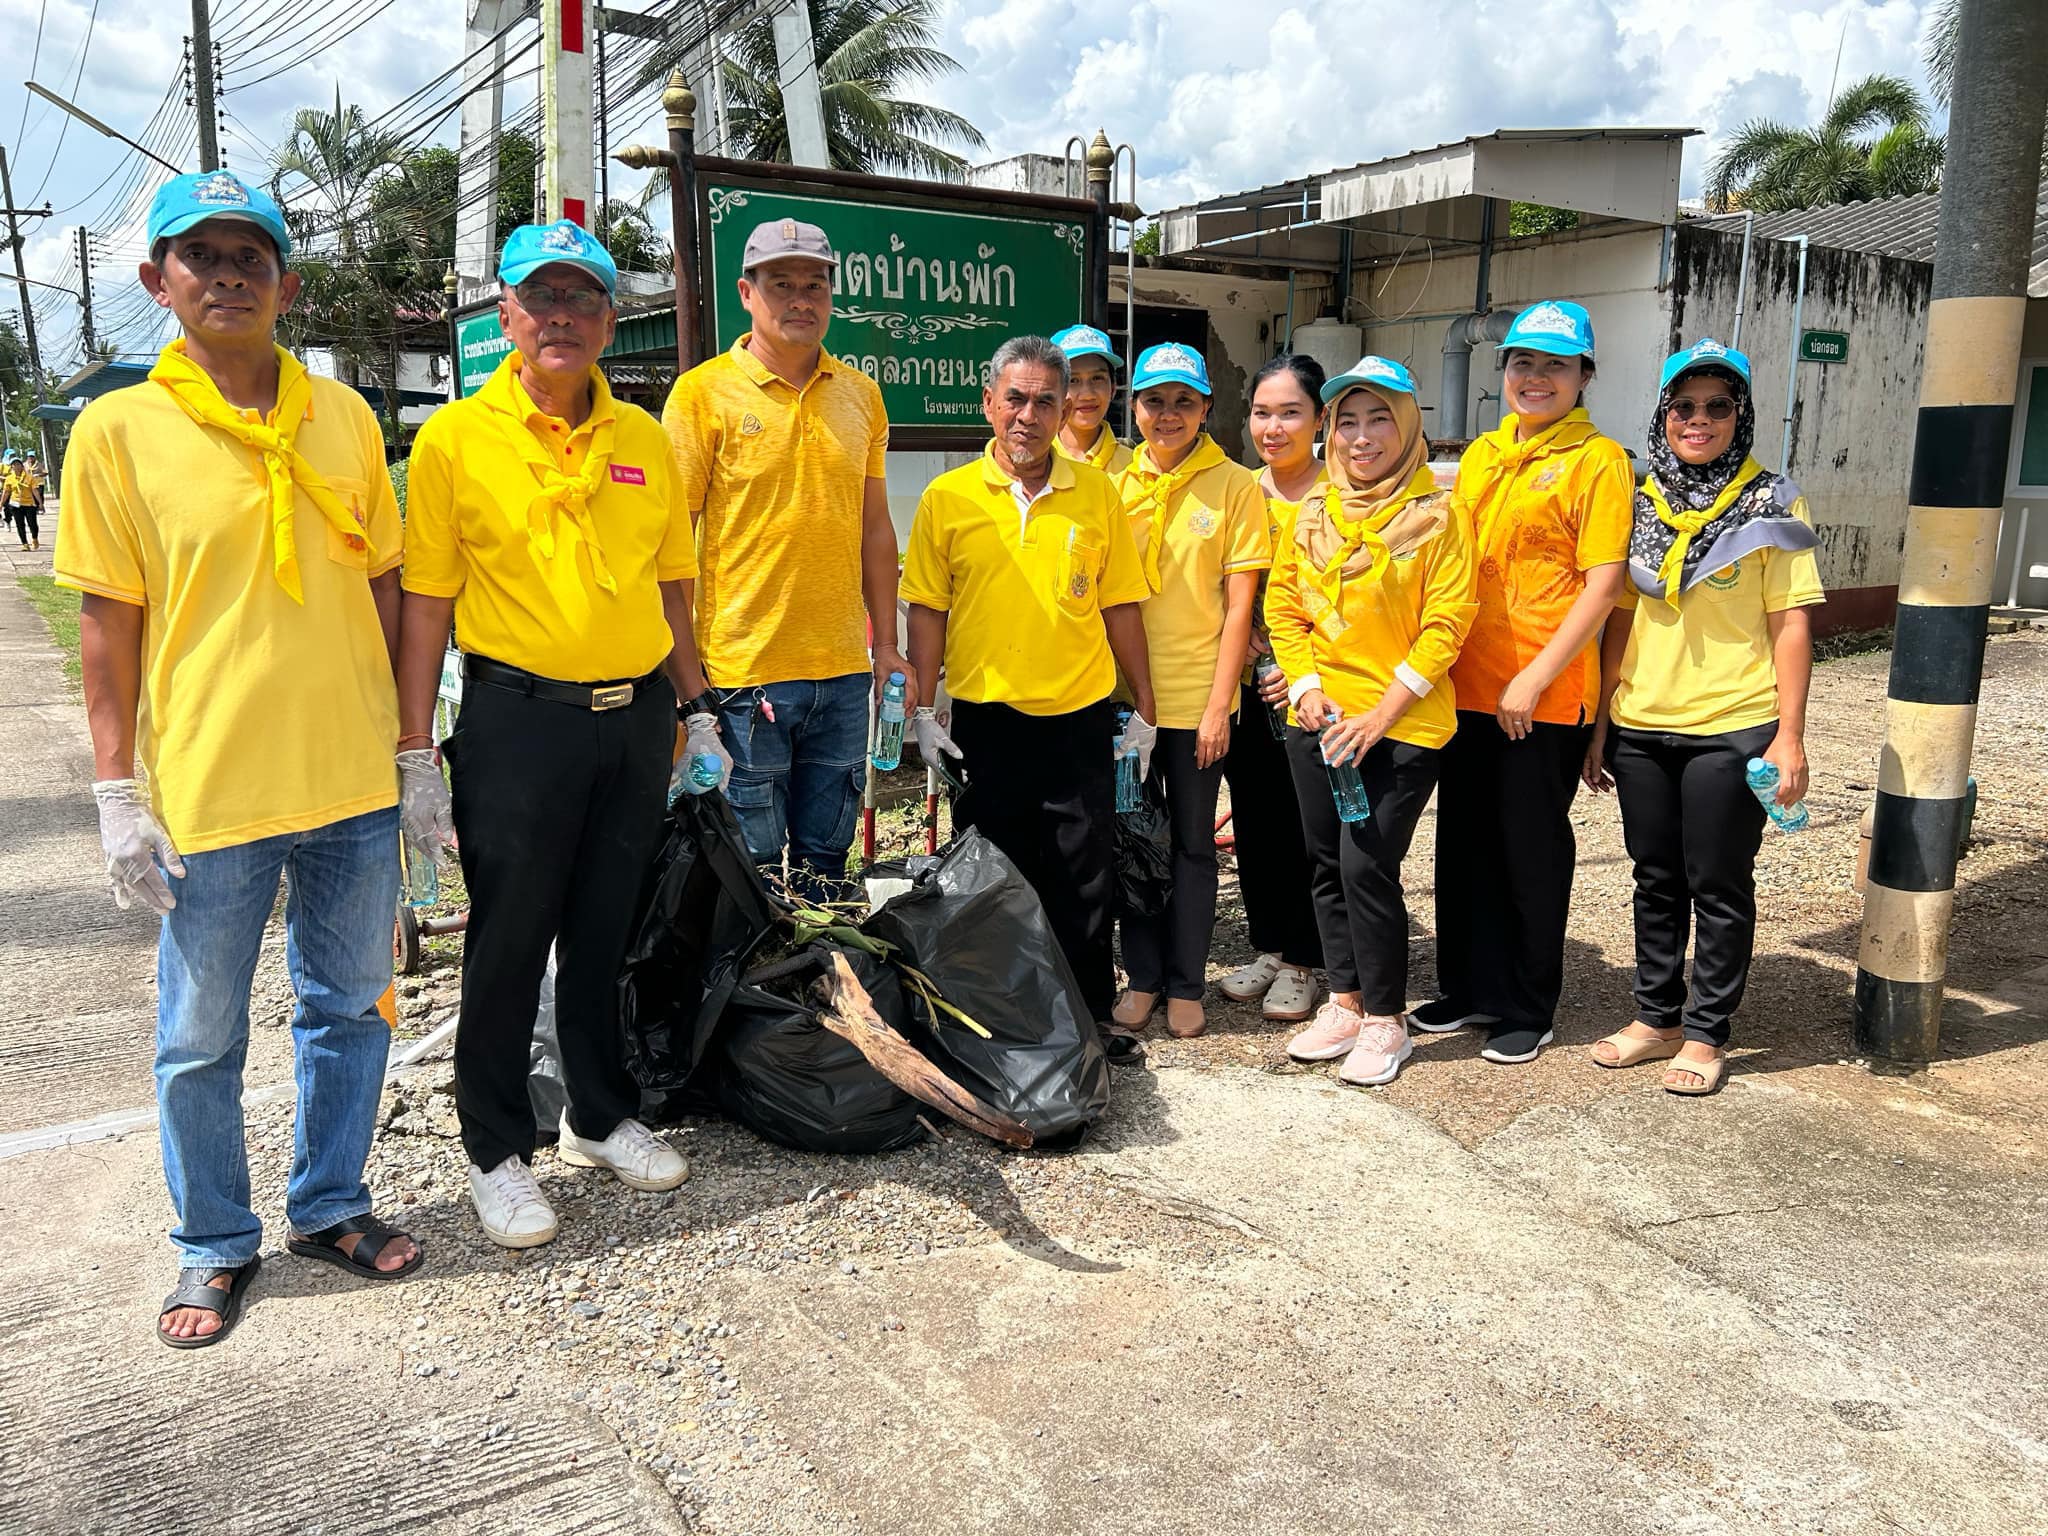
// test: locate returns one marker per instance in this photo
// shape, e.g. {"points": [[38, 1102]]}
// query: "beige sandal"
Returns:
{"points": [[1709, 1073], [1633, 1050]]}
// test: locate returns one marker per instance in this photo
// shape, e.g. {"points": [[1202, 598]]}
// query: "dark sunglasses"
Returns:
{"points": [[1720, 408], [544, 299]]}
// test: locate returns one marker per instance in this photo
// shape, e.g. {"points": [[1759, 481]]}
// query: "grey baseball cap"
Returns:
{"points": [[787, 237]]}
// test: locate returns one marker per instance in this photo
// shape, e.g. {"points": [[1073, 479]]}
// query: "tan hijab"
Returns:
{"points": [[1353, 530]]}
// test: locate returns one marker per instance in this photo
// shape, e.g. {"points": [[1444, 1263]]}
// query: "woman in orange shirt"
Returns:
{"points": [[1552, 502]]}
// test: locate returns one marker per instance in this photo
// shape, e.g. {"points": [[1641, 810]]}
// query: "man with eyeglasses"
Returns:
{"points": [[545, 519], [780, 446]]}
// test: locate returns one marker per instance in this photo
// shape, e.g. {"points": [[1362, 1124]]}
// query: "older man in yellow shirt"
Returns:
{"points": [[544, 518]]}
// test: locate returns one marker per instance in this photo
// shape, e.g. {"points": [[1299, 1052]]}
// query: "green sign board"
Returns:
{"points": [[925, 295], [479, 345], [1823, 346]]}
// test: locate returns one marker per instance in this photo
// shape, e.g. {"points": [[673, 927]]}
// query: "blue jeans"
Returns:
{"points": [[798, 779], [342, 893]]}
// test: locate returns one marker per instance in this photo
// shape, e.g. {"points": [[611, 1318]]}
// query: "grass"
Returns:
{"points": [[59, 608]]}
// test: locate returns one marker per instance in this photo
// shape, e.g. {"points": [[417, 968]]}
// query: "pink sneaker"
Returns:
{"points": [[1383, 1044], [1329, 1035]]}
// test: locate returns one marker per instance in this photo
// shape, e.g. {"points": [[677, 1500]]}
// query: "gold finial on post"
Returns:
{"points": [[680, 103], [1100, 157]]}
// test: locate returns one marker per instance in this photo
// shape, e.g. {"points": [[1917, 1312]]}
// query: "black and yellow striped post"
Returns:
{"points": [[1960, 449]]}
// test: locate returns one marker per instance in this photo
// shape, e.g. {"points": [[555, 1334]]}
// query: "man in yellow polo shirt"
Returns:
{"points": [[232, 528], [1023, 577], [543, 516], [780, 446]]}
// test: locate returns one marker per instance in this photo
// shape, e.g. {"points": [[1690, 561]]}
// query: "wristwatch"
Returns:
{"points": [[703, 704]]}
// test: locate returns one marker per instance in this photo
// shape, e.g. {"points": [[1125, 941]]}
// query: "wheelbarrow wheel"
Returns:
{"points": [[405, 942]]}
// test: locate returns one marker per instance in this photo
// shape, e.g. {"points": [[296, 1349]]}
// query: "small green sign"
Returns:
{"points": [[1823, 346], [480, 342]]}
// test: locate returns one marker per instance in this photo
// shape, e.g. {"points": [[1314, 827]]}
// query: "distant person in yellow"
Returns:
{"points": [[233, 531], [543, 518], [1084, 434], [24, 491], [780, 446]]}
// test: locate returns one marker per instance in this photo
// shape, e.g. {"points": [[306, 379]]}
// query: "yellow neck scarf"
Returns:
{"points": [[200, 398], [1672, 570], [1335, 549], [1498, 456], [1151, 492], [558, 493], [1104, 449]]}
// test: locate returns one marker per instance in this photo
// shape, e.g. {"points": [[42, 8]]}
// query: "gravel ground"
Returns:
{"points": [[635, 1304]]}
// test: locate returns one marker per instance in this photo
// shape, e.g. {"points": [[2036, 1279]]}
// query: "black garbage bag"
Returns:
{"points": [[785, 1076], [976, 928], [702, 908], [1144, 856]]}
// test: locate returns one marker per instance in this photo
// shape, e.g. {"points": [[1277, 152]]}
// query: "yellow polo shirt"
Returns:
{"points": [[1108, 455], [467, 534], [258, 716], [1024, 588], [1216, 526], [776, 475]]}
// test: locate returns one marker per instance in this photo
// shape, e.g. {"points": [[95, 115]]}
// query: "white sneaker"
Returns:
{"points": [[514, 1213], [1248, 983], [1292, 997], [641, 1159]]}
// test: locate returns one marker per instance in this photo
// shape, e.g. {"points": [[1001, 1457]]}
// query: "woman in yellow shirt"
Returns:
{"points": [[1705, 667], [1369, 603], [1550, 499], [1272, 864], [1084, 434], [1200, 526]]}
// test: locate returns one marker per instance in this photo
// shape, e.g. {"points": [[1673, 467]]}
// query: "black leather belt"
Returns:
{"points": [[592, 696]]}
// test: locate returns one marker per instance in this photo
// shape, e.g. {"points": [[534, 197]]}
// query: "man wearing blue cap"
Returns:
{"points": [[545, 520], [234, 535]]}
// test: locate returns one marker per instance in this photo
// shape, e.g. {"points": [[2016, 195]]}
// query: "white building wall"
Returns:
{"points": [[2032, 591]]}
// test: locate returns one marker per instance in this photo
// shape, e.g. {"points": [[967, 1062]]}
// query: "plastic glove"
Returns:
{"points": [[932, 738], [1140, 737], [424, 809], [700, 739], [135, 846]]}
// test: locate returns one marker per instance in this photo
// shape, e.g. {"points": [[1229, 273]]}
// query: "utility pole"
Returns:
{"points": [[568, 174], [202, 87], [1955, 495], [85, 295], [796, 61], [28, 314]]}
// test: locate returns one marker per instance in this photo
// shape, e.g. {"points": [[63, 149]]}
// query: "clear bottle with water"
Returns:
{"points": [[1762, 778], [419, 872], [1347, 788], [1128, 790], [889, 724], [1276, 715]]}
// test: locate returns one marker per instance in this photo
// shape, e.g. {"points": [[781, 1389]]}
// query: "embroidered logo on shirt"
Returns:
{"points": [[1201, 522], [1726, 579], [1546, 478], [626, 474], [750, 424], [1077, 584]]}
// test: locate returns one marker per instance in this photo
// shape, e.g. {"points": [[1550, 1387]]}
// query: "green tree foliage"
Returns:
{"points": [[1940, 52], [1873, 141], [1539, 219], [636, 245]]}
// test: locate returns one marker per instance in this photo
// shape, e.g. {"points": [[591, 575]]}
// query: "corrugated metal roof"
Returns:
{"points": [[1904, 227]]}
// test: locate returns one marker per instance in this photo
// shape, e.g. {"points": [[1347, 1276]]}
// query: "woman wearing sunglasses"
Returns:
{"points": [[1704, 666]]}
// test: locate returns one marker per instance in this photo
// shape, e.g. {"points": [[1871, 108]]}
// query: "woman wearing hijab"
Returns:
{"points": [[1368, 606], [1705, 666], [1550, 500], [1200, 526], [1272, 864]]}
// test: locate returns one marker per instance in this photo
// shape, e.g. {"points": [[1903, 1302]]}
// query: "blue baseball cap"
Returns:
{"points": [[1171, 363], [533, 246], [1079, 341], [1374, 373], [1704, 353], [1556, 326], [185, 201]]}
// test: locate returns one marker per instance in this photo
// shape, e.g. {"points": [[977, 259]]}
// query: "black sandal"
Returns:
{"points": [[325, 1245], [196, 1292]]}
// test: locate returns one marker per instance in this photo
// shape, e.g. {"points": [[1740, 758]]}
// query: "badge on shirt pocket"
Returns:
{"points": [[349, 549], [750, 425], [1201, 522]]}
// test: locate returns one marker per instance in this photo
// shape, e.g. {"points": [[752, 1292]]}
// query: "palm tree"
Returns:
{"points": [[1872, 142], [340, 156], [630, 236], [868, 51]]}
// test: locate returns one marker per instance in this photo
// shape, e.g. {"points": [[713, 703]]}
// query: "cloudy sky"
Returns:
{"points": [[1217, 95]]}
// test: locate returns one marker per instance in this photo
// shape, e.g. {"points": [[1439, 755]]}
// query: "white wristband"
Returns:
{"points": [[1301, 686], [1413, 680]]}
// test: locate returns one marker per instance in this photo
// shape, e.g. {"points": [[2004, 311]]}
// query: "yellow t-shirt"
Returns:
{"points": [[467, 537], [1108, 455], [1417, 614], [22, 485], [776, 476], [259, 716], [1702, 665], [1216, 526], [1543, 526], [1024, 589]]}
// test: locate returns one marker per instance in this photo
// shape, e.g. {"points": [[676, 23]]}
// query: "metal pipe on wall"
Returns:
{"points": [[1792, 362], [1742, 276], [1460, 337]]}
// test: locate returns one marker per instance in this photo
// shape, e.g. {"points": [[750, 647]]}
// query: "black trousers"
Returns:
{"points": [[558, 813], [1505, 853], [1043, 789], [1692, 829], [1355, 867], [26, 524], [1170, 953], [1272, 864]]}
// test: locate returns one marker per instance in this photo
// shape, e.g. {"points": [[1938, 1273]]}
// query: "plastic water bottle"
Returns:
{"points": [[889, 724], [1127, 786], [1762, 778], [1346, 787], [420, 873], [705, 770], [1276, 715]]}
